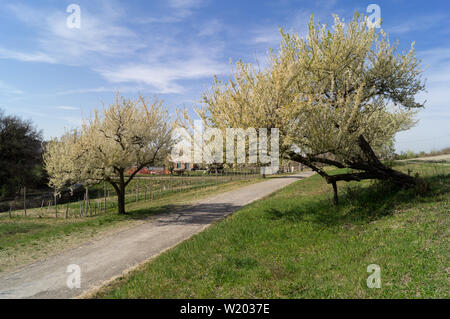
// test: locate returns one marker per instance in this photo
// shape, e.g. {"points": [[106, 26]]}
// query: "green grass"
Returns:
{"points": [[296, 244], [25, 239], [142, 187]]}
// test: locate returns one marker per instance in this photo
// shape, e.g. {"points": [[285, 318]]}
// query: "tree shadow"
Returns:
{"points": [[359, 205], [197, 214], [146, 213], [287, 176]]}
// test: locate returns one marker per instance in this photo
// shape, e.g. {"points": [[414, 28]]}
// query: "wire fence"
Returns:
{"points": [[97, 199]]}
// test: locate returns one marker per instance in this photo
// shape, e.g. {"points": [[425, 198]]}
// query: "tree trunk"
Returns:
{"points": [[119, 187], [121, 200], [396, 177], [380, 170], [335, 194]]}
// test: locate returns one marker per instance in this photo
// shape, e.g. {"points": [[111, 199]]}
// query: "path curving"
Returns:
{"points": [[109, 257]]}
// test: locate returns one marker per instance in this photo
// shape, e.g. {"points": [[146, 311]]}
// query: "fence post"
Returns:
{"points": [[25, 200], [89, 206], [137, 191], [104, 196], [67, 210], [56, 205], [86, 202], [151, 189], [10, 209]]}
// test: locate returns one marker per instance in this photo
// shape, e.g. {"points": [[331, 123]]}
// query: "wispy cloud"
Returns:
{"points": [[184, 7], [100, 34], [122, 89], [210, 28], [106, 45], [67, 108], [179, 11], [26, 57], [268, 35], [164, 77], [77, 121], [422, 22], [8, 90]]}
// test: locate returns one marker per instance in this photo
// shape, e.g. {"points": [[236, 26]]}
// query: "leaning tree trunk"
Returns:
{"points": [[368, 166], [381, 171], [396, 177]]}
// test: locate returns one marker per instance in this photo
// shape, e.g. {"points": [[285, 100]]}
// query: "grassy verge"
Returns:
{"points": [[26, 239], [296, 244]]}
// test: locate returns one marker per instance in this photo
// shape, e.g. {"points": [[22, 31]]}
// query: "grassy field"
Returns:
{"points": [[142, 187], [296, 244], [25, 239]]}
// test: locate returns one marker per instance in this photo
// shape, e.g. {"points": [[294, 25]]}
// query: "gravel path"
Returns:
{"points": [[437, 158], [107, 258]]}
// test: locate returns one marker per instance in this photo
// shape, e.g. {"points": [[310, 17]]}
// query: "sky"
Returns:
{"points": [[56, 75]]}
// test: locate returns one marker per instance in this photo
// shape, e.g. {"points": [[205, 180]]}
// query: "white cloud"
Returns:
{"points": [[101, 34], [184, 7], [122, 89], [8, 90], [67, 108], [210, 28], [296, 23], [268, 35], [179, 11], [422, 22], [77, 121], [84, 90], [164, 77], [26, 57], [106, 45]]}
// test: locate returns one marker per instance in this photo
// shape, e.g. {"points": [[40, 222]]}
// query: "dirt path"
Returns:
{"points": [[437, 158], [109, 257]]}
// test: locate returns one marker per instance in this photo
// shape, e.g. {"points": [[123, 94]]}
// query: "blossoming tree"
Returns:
{"points": [[126, 134], [338, 97]]}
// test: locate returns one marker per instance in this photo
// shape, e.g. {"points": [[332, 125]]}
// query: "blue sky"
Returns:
{"points": [[56, 76]]}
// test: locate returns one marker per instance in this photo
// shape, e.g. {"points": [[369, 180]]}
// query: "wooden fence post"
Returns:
{"points": [[56, 206], [25, 200], [104, 196], [85, 202], [137, 198], [151, 189]]}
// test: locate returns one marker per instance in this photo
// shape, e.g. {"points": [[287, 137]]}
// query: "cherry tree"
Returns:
{"points": [[127, 134]]}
